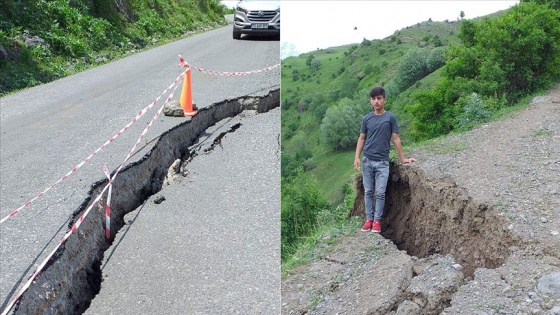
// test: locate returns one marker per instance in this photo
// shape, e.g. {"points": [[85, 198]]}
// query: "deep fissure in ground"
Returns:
{"points": [[73, 276], [425, 216]]}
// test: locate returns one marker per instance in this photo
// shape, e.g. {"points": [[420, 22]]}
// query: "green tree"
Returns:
{"points": [[300, 145], [315, 64], [501, 60], [435, 59], [467, 32], [411, 68], [517, 52], [554, 4], [309, 59], [341, 125]]}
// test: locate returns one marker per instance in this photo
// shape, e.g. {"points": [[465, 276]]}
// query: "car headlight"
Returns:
{"points": [[240, 9]]}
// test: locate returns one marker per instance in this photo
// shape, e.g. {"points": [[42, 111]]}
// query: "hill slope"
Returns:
{"points": [[479, 210], [41, 41], [349, 72]]}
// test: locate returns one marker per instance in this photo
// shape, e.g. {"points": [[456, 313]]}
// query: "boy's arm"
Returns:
{"points": [[397, 143], [359, 147]]}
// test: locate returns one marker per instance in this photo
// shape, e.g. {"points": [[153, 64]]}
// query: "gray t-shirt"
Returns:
{"points": [[378, 130]]}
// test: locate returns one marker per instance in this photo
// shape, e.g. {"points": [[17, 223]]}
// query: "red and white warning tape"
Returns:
{"points": [[108, 205], [62, 241], [184, 64], [106, 171], [85, 214], [77, 167]]}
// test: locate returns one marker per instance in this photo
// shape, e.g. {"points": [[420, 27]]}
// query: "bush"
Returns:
{"points": [[316, 103], [435, 59], [474, 111], [309, 164], [315, 64], [300, 146], [301, 202], [341, 125], [521, 47], [368, 69], [411, 68]]}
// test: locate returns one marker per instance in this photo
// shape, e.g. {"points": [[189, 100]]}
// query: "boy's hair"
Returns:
{"points": [[376, 91]]}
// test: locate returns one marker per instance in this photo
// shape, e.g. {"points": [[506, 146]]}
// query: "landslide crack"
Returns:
{"points": [[218, 139], [425, 217], [73, 276]]}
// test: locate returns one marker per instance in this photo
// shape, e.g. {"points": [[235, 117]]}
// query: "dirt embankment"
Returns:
{"points": [[471, 228]]}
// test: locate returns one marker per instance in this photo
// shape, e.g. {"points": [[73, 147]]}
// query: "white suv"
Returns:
{"points": [[256, 17]]}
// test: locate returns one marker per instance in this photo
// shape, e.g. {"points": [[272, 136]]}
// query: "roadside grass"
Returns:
{"points": [[77, 39], [543, 133], [443, 145]]}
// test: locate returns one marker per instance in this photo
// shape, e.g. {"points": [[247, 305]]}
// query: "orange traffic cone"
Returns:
{"points": [[186, 97]]}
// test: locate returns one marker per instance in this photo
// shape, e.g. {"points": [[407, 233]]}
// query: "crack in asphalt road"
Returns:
{"points": [[72, 277]]}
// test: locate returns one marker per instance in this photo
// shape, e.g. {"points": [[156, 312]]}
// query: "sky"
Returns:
{"points": [[308, 25]]}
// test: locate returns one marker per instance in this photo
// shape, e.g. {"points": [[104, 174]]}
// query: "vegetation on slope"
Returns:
{"points": [[440, 77], [42, 40]]}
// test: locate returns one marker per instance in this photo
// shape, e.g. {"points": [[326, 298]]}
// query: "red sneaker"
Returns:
{"points": [[376, 227], [367, 226]]}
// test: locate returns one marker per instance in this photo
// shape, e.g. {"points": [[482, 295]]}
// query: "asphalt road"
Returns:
{"points": [[47, 130], [216, 246]]}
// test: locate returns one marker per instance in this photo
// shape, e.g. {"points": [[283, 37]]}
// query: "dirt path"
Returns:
{"points": [[472, 228]]}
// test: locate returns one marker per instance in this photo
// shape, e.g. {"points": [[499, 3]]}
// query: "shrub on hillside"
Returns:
{"points": [[500, 60], [474, 111], [300, 146], [341, 125], [521, 46], [301, 202], [411, 68], [435, 59], [315, 64]]}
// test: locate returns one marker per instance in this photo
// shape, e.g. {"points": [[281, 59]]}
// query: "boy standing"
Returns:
{"points": [[378, 127]]}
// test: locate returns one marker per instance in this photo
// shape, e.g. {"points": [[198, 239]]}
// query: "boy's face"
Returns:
{"points": [[377, 102]]}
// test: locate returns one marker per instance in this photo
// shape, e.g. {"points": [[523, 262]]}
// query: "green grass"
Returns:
{"points": [[80, 35], [331, 226], [320, 243], [352, 70], [543, 133], [333, 171], [342, 64]]}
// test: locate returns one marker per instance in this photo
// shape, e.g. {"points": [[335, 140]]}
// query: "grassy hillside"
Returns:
{"points": [[42, 40], [440, 77], [348, 71]]}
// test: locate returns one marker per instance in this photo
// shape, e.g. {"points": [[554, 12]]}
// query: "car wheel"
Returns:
{"points": [[236, 35]]}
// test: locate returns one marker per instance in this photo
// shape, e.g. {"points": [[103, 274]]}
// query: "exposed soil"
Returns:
{"points": [[471, 228]]}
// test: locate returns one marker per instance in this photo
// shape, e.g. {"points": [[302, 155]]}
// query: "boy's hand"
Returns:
{"points": [[410, 160], [357, 164]]}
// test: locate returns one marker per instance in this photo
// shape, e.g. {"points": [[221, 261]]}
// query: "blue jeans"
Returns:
{"points": [[375, 175]]}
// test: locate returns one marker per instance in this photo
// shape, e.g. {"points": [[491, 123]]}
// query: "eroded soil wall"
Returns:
{"points": [[426, 216], [73, 276]]}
